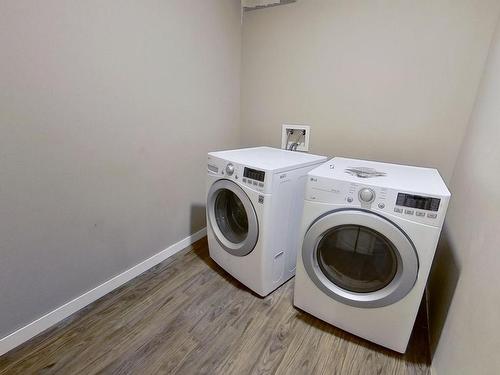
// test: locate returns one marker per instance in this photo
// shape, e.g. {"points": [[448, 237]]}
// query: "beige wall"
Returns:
{"points": [[469, 342], [107, 110], [385, 80]]}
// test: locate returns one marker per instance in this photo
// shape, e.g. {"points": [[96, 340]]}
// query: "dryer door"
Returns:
{"points": [[360, 258], [232, 218]]}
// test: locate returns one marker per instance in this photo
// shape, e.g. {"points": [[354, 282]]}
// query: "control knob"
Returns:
{"points": [[366, 195], [229, 169]]}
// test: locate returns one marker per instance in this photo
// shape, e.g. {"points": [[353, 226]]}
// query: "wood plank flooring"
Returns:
{"points": [[187, 316]]}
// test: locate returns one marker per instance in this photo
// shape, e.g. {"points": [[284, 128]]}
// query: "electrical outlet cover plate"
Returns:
{"points": [[304, 141]]}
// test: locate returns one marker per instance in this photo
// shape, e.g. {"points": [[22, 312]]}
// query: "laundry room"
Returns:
{"points": [[249, 187]]}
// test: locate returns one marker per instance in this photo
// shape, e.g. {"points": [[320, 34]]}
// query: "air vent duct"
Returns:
{"points": [[258, 4]]}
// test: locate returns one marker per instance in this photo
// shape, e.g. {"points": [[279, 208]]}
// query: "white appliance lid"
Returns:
{"points": [[393, 176], [268, 158]]}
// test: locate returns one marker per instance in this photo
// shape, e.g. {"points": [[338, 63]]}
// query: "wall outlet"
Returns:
{"points": [[295, 137]]}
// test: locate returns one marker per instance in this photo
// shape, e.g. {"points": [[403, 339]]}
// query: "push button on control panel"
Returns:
{"points": [[420, 214], [381, 206], [432, 215], [409, 212], [398, 210]]}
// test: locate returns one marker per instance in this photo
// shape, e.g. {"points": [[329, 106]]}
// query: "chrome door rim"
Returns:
{"points": [[407, 259], [247, 245]]}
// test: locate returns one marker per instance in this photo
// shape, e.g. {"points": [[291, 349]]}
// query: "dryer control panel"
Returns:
{"points": [[412, 206]]}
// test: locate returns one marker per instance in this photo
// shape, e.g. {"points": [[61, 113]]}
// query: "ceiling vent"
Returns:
{"points": [[258, 4]]}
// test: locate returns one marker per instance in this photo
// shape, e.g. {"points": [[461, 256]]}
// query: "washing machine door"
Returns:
{"points": [[232, 218], [360, 258]]}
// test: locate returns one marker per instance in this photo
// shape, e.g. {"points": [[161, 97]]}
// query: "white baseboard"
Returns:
{"points": [[46, 321]]}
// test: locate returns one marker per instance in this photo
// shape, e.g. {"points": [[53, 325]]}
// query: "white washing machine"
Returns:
{"points": [[254, 206], [369, 232]]}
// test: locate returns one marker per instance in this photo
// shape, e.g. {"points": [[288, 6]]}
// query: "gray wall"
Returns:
{"points": [[107, 110], [467, 270], [385, 80]]}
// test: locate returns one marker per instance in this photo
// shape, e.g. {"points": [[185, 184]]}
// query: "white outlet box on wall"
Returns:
{"points": [[295, 137]]}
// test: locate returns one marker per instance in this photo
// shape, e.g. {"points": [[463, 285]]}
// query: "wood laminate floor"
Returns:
{"points": [[187, 316]]}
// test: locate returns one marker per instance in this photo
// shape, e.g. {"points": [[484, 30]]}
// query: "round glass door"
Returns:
{"points": [[360, 258], [232, 218], [357, 258]]}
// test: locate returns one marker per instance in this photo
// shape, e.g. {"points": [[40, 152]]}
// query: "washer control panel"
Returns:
{"points": [[249, 177]]}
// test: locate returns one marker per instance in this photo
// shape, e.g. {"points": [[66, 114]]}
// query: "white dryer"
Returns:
{"points": [[254, 206], [369, 233]]}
